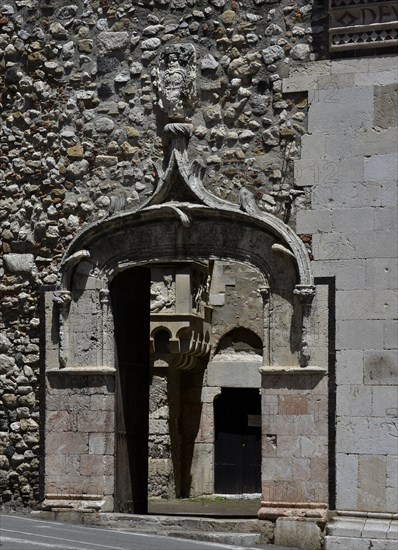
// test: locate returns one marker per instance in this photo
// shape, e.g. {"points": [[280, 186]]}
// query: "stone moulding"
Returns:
{"points": [[92, 234], [293, 370], [83, 371], [69, 262], [316, 511]]}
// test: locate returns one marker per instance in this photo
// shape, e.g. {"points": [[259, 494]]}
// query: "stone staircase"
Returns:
{"points": [[242, 532], [247, 532]]}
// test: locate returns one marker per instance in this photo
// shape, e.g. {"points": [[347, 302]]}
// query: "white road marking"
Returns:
{"points": [[120, 532], [43, 544], [60, 539]]}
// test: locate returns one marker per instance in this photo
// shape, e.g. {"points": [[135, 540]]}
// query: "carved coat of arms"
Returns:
{"points": [[176, 78]]}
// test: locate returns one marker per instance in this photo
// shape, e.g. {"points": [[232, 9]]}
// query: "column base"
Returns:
{"points": [[362, 530], [77, 503]]}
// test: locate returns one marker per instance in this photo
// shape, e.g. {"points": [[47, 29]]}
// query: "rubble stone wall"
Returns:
{"points": [[79, 139]]}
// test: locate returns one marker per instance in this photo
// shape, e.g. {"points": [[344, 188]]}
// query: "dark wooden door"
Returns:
{"points": [[130, 305], [237, 414]]}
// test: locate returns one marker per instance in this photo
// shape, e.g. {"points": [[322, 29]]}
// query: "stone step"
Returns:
{"points": [[245, 533], [246, 540], [182, 523]]}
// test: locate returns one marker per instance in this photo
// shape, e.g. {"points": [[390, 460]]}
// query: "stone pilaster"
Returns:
{"points": [[62, 299], [305, 295]]}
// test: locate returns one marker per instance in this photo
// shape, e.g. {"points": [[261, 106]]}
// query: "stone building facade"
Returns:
{"points": [[198, 271]]}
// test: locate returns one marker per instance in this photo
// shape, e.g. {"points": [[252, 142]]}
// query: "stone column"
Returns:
{"points": [[264, 292], [106, 332], [305, 294], [62, 299], [203, 467]]}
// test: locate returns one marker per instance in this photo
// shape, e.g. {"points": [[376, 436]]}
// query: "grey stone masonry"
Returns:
{"points": [[349, 164]]}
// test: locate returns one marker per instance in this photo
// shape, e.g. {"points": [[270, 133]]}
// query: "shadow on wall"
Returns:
{"points": [[320, 28]]}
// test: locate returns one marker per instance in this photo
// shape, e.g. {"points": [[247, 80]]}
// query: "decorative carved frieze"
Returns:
{"points": [[360, 24]]}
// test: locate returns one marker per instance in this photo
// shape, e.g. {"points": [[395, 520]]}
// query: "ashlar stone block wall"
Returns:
{"points": [[349, 164]]}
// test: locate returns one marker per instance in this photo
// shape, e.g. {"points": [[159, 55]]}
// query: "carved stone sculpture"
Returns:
{"points": [[163, 294], [176, 81]]}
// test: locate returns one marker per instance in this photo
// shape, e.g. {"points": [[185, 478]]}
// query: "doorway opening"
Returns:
{"points": [[237, 417], [130, 295]]}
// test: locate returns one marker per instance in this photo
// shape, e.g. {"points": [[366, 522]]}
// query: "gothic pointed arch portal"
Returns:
{"points": [[206, 268]]}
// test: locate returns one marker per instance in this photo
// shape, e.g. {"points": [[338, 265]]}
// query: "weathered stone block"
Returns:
{"points": [[390, 334], [372, 484], [293, 405], [277, 469], [96, 421], [346, 194], [343, 543], [366, 436], [60, 421], [344, 109], [350, 274], [102, 402], [20, 263], [362, 304], [353, 219], [353, 400], [380, 367], [381, 168], [66, 442], [292, 532], [158, 426], [376, 78], [359, 334], [316, 221], [376, 141], [91, 465], [231, 374], [346, 481], [386, 109], [385, 401], [101, 443], [381, 273]]}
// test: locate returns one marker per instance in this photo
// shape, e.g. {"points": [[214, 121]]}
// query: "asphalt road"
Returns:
{"points": [[22, 533]]}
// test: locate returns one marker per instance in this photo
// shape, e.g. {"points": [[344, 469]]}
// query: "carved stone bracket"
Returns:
{"points": [[62, 299], [305, 294], [180, 316]]}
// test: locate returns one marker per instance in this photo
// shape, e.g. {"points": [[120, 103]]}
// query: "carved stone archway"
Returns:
{"points": [[186, 228]]}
